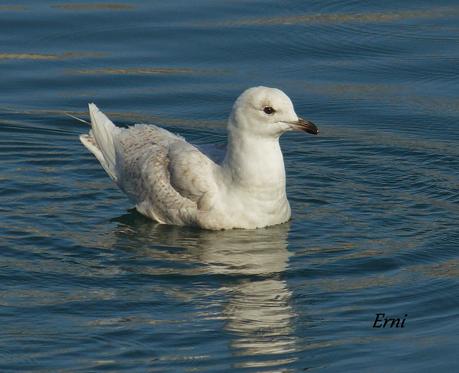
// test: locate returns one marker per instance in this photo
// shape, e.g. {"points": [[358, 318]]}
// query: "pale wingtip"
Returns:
{"points": [[83, 138]]}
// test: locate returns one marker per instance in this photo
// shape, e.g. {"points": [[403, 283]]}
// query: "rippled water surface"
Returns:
{"points": [[87, 284]]}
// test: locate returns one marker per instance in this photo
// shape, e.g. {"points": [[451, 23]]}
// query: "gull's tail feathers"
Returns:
{"points": [[101, 140]]}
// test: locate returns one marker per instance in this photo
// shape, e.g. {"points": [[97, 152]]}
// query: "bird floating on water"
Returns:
{"points": [[174, 182]]}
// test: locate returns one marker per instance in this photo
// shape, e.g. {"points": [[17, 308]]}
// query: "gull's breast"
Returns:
{"points": [[249, 209]]}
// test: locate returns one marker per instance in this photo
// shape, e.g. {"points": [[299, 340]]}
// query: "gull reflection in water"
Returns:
{"points": [[256, 309]]}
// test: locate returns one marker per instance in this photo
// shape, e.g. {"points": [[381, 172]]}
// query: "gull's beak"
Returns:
{"points": [[305, 125]]}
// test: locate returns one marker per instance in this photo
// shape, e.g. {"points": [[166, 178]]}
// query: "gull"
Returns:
{"points": [[174, 182]]}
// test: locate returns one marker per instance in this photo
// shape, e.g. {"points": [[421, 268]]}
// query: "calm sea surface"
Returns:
{"points": [[89, 285]]}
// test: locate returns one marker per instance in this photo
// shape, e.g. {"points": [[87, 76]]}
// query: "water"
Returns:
{"points": [[87, 284]]}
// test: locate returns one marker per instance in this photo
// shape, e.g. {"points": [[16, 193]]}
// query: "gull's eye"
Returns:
{"points": [[269, 110]]}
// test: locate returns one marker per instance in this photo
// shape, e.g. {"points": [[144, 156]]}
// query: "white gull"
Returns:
{"points": [[173, 182]]}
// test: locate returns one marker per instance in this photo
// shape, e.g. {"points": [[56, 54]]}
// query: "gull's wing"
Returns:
{"points": [[169, 179], [166, 177]]}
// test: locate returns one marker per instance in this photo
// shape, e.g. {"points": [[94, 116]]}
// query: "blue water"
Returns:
{"points": [[89, 285]]}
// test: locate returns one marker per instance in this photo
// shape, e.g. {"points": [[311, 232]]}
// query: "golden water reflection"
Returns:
{"points": [[12, 8], [339, 18], [145, 71], [93, 6], [50, 56]]}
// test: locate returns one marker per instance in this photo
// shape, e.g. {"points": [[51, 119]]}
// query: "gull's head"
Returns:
{"points": [[267, 112]]}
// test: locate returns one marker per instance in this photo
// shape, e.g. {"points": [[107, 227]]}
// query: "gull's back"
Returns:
{"points": [[167, 178]]}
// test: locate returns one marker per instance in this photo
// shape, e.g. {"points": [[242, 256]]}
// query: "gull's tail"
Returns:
{"points": [[101, 140]]}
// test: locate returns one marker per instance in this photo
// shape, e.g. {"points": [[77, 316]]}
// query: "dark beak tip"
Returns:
{"points": [[306, 126], [311, 128]]}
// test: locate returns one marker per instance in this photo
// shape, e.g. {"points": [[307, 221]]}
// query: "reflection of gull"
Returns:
{"points": [[258, 316], [173, 182]]}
